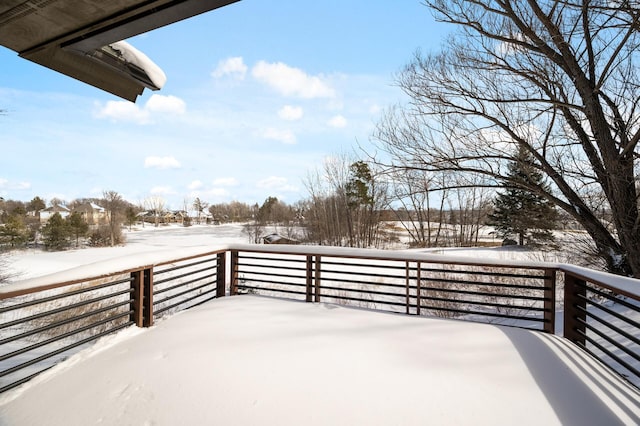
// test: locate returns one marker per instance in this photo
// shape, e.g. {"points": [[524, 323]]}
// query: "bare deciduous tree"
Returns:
{"points": [[557, 78], [114, 205], [156, 205]]}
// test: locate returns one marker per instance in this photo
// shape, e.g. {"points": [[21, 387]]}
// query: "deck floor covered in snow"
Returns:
{"points": [[250, 360]]}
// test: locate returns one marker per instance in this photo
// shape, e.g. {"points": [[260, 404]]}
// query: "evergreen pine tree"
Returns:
{"points": [[78, 227], [520, 211], [14, 231], [55, 234]]}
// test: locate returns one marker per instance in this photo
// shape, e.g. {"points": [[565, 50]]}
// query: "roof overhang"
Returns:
{"points": [[73, 37]]}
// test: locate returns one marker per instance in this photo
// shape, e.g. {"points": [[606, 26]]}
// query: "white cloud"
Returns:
{"points": [[166, 104], [231, 66], [15, 186], [290, 113], [217, 192], [276, 183], [337, 121], [162, 190], [290, 81], [230, 181], [22, 185], [196, 184], [123, 111], [161, 163], [281, 135], [126, 111]]}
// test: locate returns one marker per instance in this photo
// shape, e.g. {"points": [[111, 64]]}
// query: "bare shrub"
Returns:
{"points": [[101, 237]]}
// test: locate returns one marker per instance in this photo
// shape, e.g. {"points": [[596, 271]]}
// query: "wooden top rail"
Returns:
{"points": [[627, 286], [103, 269]]}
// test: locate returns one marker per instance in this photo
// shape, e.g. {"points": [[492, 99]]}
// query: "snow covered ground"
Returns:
{"points": [[32, 263], [254, 360]]}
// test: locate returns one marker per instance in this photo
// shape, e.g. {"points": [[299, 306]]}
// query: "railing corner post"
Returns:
{"points": [[575, 306], [550, 276], [221, 274], [233, 286], [318, 269], [147, 316], [137, 297], [309, 279]]}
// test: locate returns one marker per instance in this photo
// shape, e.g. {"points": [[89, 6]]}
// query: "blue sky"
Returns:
{"points": [[258, 93]]}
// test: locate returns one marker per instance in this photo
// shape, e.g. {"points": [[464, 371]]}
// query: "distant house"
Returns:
{"points": [[278, 239], [91, 213], [46, 214]]}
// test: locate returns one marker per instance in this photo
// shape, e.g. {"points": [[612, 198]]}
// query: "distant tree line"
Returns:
{"points": [[22, 224]]}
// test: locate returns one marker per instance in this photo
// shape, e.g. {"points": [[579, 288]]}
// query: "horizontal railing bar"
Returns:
{"points": [[482, 283], [64, 308], [205, 300], [358, 299], [173, 268], [64, 349], [608, 325], [278, 259], [24, 379], [182, 302], [492, 304], [367, 274], [568, 271], [609, 311], [63, 295], [482, 293], [182, 293], [489, 314], [367, 265], [487, 273], [346, 280], [611, 298], [257, 280], [63, 322], [609, 339], [359, 254], [177, 277], [440, 270], [173, 287], [277, 290], [271, 274], [250, 265], [64, 335], [358, 290], [608, 353]]}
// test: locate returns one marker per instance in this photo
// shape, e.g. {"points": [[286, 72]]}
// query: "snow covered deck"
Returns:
{"points": [[256, 360]]}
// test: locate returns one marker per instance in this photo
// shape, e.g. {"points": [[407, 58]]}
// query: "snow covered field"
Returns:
{"points": [[252, 360], [34, 262]]}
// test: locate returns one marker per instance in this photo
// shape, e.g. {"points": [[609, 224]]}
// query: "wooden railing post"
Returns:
{"points": [[309, 279], [137, 297], [550, 301], [221, 274], [233, 290], [407, 280], [147, 290], [418, 289], [317, 277], [575, 305]]}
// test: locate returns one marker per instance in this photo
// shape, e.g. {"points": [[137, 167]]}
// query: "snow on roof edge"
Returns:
{"points": [[139, 59]]}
